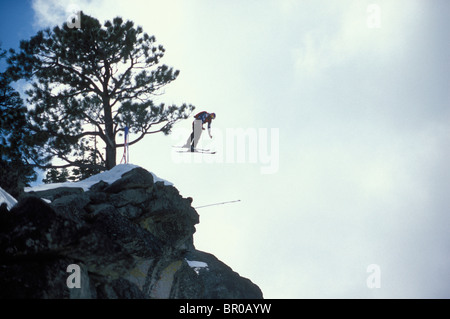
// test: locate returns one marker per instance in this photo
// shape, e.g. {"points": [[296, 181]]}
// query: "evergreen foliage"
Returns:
{"points": [[88, 84], [14, 171]]}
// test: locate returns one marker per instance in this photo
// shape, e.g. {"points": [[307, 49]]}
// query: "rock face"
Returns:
{"points": [[132, 238]]}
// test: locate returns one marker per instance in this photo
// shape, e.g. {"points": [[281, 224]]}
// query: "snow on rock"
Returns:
{"points": [[6, 198], [107, 176], [197, 265]]}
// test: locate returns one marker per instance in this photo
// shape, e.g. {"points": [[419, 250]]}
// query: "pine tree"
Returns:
{"points": [[14, 171], [93, 81], [56, 176]]}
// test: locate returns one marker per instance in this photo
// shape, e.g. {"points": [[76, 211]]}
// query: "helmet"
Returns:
{"points": [[213, 115]]}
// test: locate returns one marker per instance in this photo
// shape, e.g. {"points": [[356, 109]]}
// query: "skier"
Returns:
{"points": [[197, 128]]}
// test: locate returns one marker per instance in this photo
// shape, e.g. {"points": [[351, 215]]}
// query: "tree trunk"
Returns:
{"points": [[110, 157], [110, 137], [109, 124]]}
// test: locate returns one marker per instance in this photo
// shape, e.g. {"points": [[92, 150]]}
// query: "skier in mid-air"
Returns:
{"points": [[197, 128]]}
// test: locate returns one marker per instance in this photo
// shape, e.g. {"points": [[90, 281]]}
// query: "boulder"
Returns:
{"points": [[132, 238], [135, 178]]}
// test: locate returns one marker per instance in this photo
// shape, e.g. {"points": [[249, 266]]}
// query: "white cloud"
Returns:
{"points": [[49, 13], [344, 33]]}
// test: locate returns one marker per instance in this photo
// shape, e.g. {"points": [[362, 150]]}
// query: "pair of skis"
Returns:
{"points": [[183, 149]]}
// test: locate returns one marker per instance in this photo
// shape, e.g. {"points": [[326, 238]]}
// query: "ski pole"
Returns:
{"points": [[229, 202]]}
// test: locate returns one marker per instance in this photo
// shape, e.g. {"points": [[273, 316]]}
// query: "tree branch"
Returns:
{"points": [[87, 79], [70, 163], [146, 132]]}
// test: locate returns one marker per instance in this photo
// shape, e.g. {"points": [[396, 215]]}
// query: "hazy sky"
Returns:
{"points": [[346, 107]]}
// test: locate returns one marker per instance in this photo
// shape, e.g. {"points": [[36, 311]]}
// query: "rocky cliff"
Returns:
{"points": [[127, 238]]}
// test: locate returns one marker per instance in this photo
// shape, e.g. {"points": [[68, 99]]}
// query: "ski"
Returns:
{"points": [[197, 151]]}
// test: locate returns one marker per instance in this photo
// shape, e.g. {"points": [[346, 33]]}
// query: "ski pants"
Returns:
{"points": [[197, 128]]}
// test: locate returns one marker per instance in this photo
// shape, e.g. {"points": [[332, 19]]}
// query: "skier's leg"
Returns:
{"points": [[197, 133], [193, 136], [190, 139]]}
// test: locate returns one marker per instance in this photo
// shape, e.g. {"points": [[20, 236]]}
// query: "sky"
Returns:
{"points": [[332, 129]]}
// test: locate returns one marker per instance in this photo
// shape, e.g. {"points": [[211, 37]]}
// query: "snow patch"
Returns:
{"points": [[108, 176], [5, 197], [197, 265]]}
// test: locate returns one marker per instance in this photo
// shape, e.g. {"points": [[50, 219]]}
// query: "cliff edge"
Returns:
{"points": [[123, 233]]}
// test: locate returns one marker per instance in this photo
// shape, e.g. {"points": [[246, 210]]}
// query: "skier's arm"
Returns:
{"points": [[209, 129]]}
